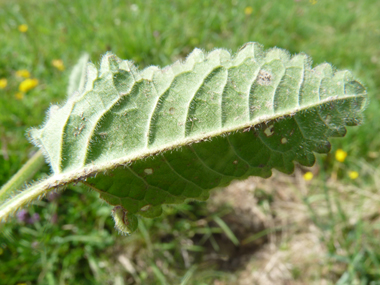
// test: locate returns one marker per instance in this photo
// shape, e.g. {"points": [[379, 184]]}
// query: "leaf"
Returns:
{"points": [[160, 136], [77, 78]]}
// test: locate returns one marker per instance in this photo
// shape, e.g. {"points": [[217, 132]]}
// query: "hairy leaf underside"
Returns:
{"points": [[144, 138]]}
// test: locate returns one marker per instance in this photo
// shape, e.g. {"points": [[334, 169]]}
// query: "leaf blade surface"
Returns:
{"points": [[159, 136]]}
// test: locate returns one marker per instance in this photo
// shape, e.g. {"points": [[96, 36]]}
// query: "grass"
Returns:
{"points": [[74, 240]]}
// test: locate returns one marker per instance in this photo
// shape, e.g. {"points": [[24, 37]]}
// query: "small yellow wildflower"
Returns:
{"points": [[308, 176], [313, 2], [58, 64], [19, 95], [23, 73], [340, 155], [3, 83], [23, 28], [248, 10], [27, 85], [353, 174]]}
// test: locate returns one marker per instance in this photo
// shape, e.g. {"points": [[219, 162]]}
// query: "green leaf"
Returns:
{"points": [[78, 75], [160, 136]]}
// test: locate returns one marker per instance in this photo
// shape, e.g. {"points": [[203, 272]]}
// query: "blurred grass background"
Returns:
{"points": [[69, 237]]}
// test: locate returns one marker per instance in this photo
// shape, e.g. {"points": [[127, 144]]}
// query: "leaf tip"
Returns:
{"points": [[126, 223]]}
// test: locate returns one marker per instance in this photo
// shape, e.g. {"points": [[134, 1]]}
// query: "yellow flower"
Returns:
{"points": [[353, 174], [23, 28], [340, 155], [248, 10], [27, 85], [308, 176], [58, 64], [23, 73], [3, 83], [19, 95], [313, 2]]}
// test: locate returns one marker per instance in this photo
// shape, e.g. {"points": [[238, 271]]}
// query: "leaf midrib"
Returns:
{"points": [[91, 169]]}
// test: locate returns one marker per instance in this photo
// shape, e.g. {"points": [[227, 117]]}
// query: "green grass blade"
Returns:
{"points": [[22, 176]]}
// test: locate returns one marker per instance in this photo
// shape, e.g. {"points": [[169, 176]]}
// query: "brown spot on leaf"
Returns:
{"points": [[264, 78]]}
